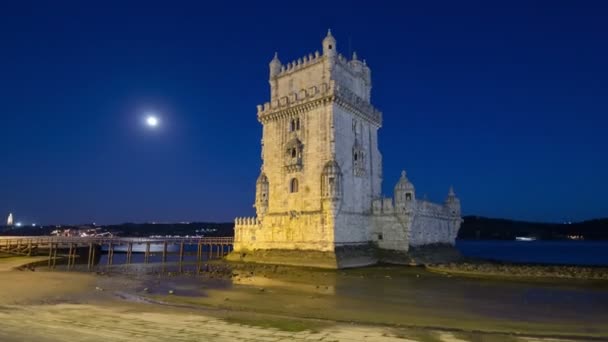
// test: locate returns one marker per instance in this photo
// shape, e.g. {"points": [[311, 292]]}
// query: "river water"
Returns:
{"points": [[538, 252]]}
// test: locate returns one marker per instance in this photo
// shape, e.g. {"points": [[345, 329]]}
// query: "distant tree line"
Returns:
{"points": [[473, 227], [483, 228]]}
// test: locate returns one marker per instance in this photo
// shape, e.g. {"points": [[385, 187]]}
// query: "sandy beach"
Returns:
{"points": [[71, 306]]}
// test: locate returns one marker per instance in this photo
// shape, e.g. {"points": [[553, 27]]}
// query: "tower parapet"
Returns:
{"points": [[320, 94]]}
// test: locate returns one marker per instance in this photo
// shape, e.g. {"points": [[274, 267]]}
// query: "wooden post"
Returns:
{"points": [[55, 254], [29, 247], [70, 255], [218, 251], [110, 252], [164, 251], [129, 252], [90, 259], [147, 255], [199, 251], [181, 252], [93, 254], [50, 253], [210, 252]]}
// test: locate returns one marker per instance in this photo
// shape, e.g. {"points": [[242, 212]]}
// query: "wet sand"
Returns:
{"points": [[274, 305]]}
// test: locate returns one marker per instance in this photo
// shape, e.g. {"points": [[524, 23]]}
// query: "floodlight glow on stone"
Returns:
{"points": [[152, 121]]}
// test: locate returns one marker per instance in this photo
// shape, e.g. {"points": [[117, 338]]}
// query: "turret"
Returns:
{"points": [[405, 193], [261, 195], [331, 185], [275, 66], [452, 202], [329, 45], [356, 64]]}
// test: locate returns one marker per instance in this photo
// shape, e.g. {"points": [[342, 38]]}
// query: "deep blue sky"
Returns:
{"points": [[508, 102]]}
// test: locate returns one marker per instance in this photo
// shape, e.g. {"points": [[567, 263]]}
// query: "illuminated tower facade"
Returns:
{"points": [[318, 194]]}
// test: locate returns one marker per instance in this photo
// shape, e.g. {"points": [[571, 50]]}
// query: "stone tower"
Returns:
{"points": [[318, 195], [321, 166]]}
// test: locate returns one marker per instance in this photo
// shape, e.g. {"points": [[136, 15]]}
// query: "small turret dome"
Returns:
{"points": [[275, 66], [404, 184], [332, 168], [329, 44], [262, 178]]}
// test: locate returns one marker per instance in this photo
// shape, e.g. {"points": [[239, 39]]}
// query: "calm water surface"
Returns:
{"points": [[542, 252]]}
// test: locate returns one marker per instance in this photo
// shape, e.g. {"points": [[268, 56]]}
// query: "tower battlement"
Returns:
{"points": [[318, 68], [306, 99]]}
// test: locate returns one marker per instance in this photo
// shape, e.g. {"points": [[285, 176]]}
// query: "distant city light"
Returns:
{"points": [[18, 224], [33, 225]]}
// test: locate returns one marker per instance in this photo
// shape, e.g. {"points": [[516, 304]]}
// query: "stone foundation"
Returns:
{"points": [[350, 256], [341, 257]]}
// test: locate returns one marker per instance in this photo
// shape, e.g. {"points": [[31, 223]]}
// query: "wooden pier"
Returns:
{"points": [[73, 249]]}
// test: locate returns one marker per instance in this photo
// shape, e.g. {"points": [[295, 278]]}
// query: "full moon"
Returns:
{"points": [[152, 121]]}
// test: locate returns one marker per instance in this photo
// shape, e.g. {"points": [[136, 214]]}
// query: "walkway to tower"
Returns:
{"points": [[75, 249]]}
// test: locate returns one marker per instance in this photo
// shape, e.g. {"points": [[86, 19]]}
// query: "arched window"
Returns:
{"points": [[293, 185], [294, 152], [294, 125]]}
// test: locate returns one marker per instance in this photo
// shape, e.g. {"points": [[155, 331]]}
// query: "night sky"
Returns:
{"points": [[509, 103]]}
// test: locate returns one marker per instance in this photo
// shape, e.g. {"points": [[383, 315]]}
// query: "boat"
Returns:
{"points": [[525, 238]]}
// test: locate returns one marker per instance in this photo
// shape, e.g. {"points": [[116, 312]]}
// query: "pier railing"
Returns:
{"points": [[72, 248]]}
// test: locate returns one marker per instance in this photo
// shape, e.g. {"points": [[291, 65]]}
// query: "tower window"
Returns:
{"points": [[408, 196], [293, 185], [294, 153], [294, 125], [329, 47]]}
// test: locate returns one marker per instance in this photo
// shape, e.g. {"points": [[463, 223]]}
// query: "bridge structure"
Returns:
{"points": [[73, 249]]}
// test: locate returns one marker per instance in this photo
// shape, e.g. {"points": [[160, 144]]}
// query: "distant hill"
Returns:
{"points": [[476, 227]]}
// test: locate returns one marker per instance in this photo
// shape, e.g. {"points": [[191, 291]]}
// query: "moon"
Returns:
{"points": [[151, 121]]}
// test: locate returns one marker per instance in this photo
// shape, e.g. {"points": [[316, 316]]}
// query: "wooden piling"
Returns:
{"points": [[93, 255], [110, 253], [50, 253], [199, 251], [147, 254], [55, 254], [70, 255], [90, 259], [165, 252], [129, 252]]}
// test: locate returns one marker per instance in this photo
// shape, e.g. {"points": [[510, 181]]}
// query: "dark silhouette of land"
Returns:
{"points": [[473, 227], [483, 228]]}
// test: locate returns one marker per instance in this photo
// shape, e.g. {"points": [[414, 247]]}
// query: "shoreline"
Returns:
{"points": [[265, 300], [517, 271]]}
